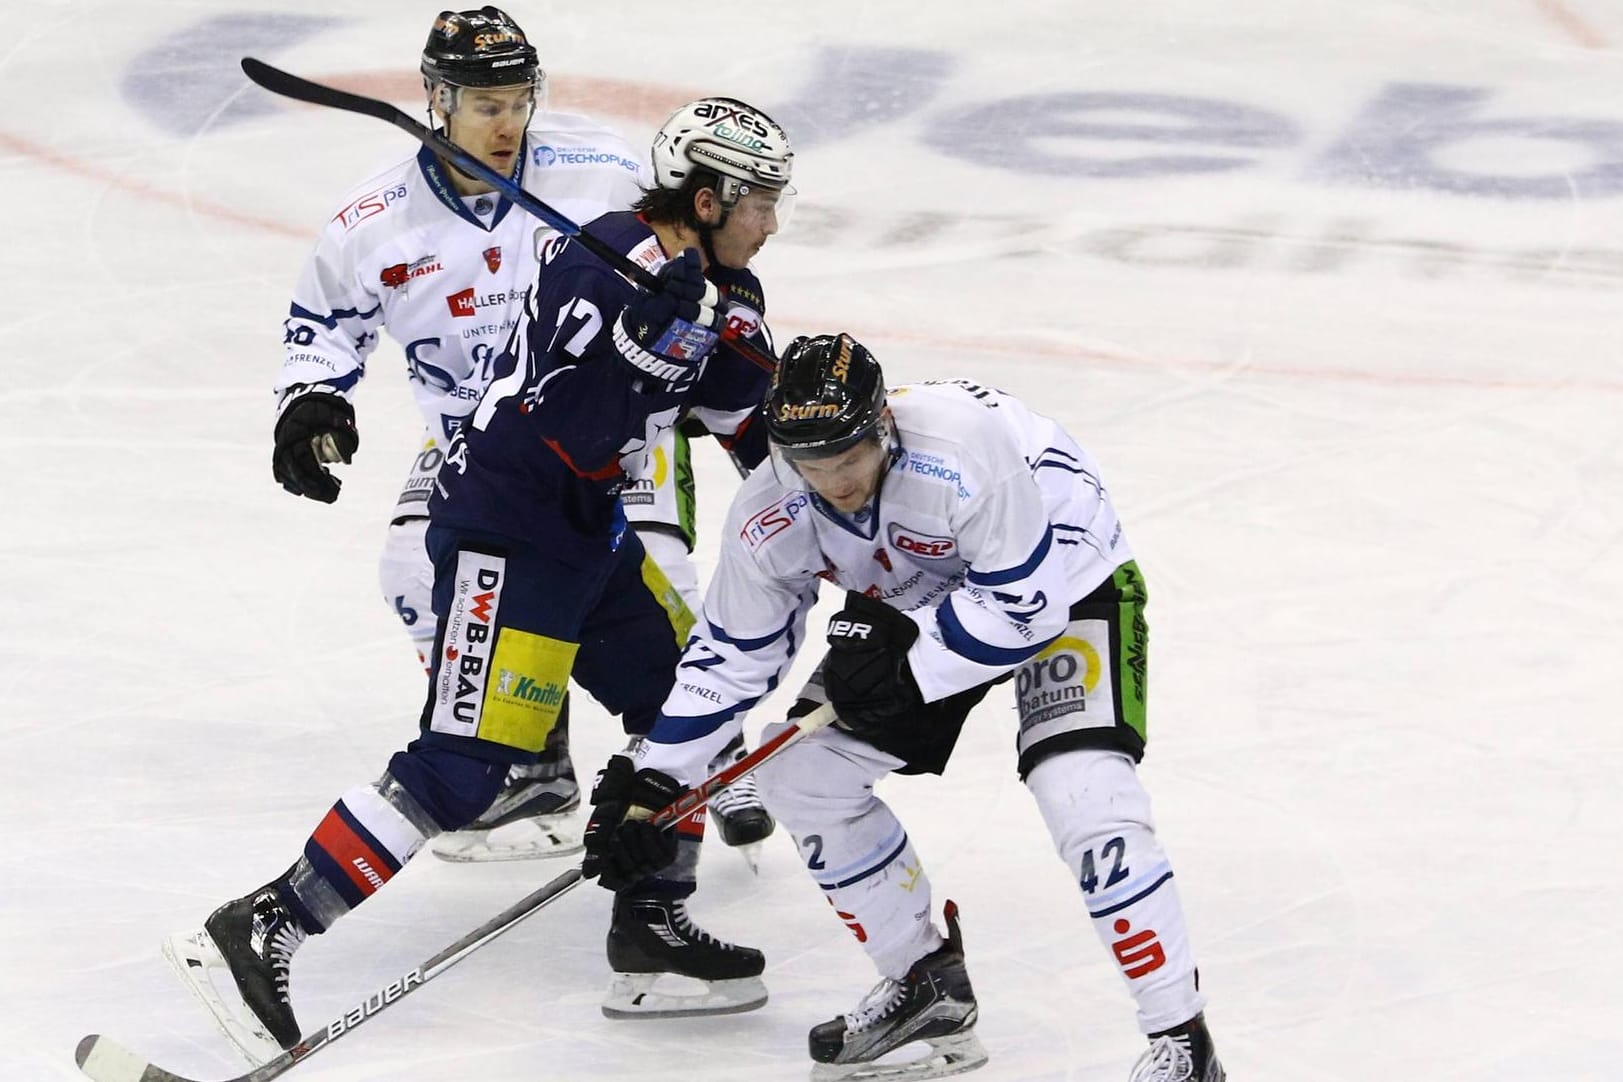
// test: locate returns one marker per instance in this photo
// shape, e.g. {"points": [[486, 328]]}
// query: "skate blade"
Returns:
{"points": [[635, 995], [752, 856], [541, 838], [195, 959], [942, 1056]]}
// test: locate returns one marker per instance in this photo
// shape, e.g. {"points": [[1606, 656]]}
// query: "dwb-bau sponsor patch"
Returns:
{"points": [[465, 652]]}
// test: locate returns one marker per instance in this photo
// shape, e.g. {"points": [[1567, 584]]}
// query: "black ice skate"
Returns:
{"points": [[741, 819], [1182, 1054], [933, 1003], [652, 940], [531, 818], [252, 939]]}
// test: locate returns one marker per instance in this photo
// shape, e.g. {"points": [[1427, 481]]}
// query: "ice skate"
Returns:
{"points": [[252, 941], [532, 818], [666, 966], [933, 1004], [1182, 1054], [740, 818]]}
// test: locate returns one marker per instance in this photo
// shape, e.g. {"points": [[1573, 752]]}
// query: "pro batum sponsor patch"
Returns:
{"points": [[470, 632]]}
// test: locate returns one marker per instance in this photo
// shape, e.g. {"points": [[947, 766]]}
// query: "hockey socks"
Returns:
{"points": [[1099, 816]]}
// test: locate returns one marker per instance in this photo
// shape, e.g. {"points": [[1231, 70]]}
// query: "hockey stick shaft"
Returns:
{"points": [[292, 86], [107, 1061]]}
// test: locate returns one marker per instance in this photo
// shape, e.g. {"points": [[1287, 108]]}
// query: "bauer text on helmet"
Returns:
{"points": [[482, 47]]}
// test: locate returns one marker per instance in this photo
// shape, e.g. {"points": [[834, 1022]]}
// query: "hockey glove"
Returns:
{"points": [[622, 846], [666, 334], [315, 428], [866, 674]]}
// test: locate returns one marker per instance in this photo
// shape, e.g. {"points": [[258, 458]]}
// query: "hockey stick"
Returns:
{"points": [[107, 1061], [288, 85]]}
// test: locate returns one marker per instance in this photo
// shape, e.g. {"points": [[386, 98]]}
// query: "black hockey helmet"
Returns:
{"points": [[827, 395], [479, 48]]}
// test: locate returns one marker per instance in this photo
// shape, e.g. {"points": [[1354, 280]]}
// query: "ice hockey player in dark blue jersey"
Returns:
{"points": [[538, 580]]}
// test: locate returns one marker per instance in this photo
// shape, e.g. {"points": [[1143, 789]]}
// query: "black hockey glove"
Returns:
{"points": [[665, 334], [315, 428], [866, 674], [622, 846]]}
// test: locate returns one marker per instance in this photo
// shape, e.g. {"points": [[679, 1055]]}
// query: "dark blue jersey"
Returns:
{"points": [[566, 422]]}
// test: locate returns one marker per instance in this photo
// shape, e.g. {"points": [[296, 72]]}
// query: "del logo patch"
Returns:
{"points": [[918, 544]]}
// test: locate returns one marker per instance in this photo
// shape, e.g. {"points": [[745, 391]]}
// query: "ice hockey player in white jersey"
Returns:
{"points": [[442, 262], [978, 546]]}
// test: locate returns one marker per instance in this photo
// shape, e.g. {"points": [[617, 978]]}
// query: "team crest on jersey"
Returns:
{"points": [[493, 258], [918, 544]]}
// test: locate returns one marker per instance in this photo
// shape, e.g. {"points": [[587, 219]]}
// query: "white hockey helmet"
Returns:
{"points": [[736, 141]]}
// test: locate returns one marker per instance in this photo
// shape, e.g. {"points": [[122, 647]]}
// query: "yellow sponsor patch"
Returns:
{"points": [[529, 675], [669, 598]]}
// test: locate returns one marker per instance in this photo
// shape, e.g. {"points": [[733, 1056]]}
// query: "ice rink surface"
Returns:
{"points": [[1330, 289]]}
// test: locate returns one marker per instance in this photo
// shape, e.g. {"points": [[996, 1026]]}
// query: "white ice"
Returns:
{"points": [[1358, 398]]}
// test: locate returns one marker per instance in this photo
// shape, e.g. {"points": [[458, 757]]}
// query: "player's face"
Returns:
{"points": [[849, 479], [489, 124], [754, 218]]}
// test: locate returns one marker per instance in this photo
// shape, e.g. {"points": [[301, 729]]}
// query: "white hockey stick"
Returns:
{"points": [[107, 1061]]}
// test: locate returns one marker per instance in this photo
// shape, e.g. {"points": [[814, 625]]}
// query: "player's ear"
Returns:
{"points": [[707, 206]]}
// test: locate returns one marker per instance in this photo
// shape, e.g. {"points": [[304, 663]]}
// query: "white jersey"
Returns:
{"points": [[989, 524], [445, 274]]}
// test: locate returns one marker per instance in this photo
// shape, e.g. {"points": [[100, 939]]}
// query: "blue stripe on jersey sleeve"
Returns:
{"points": [[673, 730], [330, 322], [749, 646], [1014, 574], [958, 639]]}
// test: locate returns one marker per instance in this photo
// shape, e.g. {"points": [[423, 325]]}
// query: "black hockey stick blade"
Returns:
{"points": [[289, 85]]}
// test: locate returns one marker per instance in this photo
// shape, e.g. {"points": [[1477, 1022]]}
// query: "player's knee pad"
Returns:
{"points": [[855, 848], [1098, 814], [816, 783], [406, 577], [452, 788]]}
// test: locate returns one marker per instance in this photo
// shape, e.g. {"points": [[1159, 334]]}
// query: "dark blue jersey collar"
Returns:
{"points": [[434, 172]]}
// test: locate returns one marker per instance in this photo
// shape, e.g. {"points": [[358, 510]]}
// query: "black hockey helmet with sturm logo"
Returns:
{"points": [[479, 48], [827, 395]]}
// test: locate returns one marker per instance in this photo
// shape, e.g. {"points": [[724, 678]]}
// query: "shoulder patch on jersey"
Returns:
{"points": [[370, 205], [547, 156], [648, 255], [743, 320], [763, 526], [935, 468], [920, 544]]}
